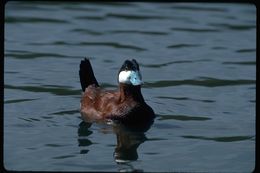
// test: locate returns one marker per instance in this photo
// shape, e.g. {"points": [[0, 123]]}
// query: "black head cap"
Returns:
{"points": [[130, 65]]}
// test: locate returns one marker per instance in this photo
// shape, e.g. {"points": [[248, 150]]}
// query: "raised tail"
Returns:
{"points": [[86, 74]]}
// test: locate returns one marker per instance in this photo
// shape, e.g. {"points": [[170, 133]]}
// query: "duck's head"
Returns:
{"points": [[130, 73]]}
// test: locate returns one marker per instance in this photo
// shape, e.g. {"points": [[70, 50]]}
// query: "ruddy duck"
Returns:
{"points": [[126, 105]]}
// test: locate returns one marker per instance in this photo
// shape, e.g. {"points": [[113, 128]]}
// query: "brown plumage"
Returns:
{"points": [[125, 105]]}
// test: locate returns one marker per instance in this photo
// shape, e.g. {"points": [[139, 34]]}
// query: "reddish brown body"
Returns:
{"points": [[125, 105], [98, 104]]}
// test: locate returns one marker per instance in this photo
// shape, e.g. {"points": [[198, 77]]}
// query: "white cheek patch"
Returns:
{"points": [[124, 77], [130, 77]]}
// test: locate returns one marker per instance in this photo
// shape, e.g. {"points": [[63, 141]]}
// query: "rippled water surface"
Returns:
{"points": [[198, 63]]}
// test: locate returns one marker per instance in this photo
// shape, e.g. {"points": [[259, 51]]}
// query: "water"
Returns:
{"points": [[198, 63]]}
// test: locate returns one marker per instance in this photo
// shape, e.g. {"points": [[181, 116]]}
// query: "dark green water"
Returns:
{"points": [[198, 62]]}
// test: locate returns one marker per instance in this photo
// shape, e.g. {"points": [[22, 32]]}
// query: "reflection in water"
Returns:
{"points": [[128, 141], [129, 138], [83, 133]]}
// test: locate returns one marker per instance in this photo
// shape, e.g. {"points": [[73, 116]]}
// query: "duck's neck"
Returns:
{"points": [[130, 92]]}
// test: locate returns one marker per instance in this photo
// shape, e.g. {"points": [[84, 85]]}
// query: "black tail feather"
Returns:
{"points": [[86, 74]]}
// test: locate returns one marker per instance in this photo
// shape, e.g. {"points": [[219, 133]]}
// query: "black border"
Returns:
{"points": [[2, 7]]}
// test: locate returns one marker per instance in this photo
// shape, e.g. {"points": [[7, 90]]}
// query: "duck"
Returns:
{"points": [[125, 105]]}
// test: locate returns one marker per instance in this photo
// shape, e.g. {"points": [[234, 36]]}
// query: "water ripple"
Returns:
{"points": [[96, 18], [114, 4], [156, 139], [206, 82], [220, 139], [241, 63], [134, 17], [29, 119], [56, 145], [87, 31], [11, 72], [32, 55], [53, 90], [18, 100], [74, 111], [185, 98], [33, 20], [218, 48], [245, 50], [63, 157], [139, 32], [113, 44], [233, 26], [164, 64], [183, 45], [172, 62], [200, 30], [121, 16], [195, 8], [107, 44], [79, 8], [183, 118]]}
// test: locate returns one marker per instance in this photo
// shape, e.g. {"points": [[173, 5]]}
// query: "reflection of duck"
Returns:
{"points": [[127, 143], [83, 133], [126, 105]]}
